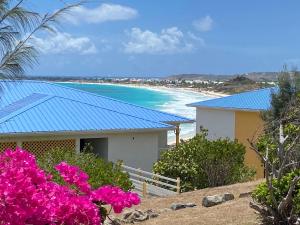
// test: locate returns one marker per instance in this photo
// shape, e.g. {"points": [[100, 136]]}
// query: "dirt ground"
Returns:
{"points": [[235, 212]]}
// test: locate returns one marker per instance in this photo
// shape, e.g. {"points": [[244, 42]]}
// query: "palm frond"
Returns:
{"points": [[17, 26]]}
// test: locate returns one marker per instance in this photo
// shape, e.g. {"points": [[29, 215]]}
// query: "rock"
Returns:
{"points": [[209, 201], [190, 205], [228, 197], [176, 206], [138, 216], [152, 214], [112, 221]]}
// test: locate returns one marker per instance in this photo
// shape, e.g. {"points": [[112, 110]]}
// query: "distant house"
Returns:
{"points": [[236, 117], [39, 116]]}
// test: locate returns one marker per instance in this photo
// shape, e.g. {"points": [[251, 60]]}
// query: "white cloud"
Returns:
{"points": [[100, 14], [203, 24], [170, 40], [196, 38], [64, 43]]}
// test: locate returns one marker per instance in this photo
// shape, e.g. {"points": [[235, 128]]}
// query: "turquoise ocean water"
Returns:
{"points": [[139, 96], [167, 100]]}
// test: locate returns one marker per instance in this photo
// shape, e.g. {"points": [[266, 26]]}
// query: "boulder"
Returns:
{"points": [[213, 200]]}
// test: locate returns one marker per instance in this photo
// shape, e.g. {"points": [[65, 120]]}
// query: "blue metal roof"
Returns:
{"points": [[35, 106], [256, 100]]}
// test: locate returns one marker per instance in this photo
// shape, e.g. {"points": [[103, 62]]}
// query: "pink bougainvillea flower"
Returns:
{"points": [[29, 196]]}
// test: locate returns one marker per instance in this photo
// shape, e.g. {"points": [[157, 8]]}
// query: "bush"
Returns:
{"points": [[100, 172], [203, 163], [30, 196], [280, 188], [278, 198]]}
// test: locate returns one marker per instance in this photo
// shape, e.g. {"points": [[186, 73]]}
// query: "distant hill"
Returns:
{"points": [[255, 76]]}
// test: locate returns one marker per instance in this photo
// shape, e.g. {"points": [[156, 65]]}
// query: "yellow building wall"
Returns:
{"points": [[248, 125]]}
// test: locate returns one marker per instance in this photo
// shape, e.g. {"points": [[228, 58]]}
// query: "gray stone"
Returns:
{"points": [[152, 214], [228, 197], [213, 200], [190, 205], [176, 206], [138, 216]]}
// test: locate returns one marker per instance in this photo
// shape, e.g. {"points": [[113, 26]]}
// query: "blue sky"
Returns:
{"points": [[159, 38]]}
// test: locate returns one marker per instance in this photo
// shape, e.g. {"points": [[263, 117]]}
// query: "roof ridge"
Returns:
{"points": [[165, 124], [26, 108], [113, 99]]}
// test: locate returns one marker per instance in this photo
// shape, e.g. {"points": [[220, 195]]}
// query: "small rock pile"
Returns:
{"points": [[132, 216]]}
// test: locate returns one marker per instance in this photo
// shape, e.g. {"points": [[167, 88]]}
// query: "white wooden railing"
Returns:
{"points": [[150, 184]]}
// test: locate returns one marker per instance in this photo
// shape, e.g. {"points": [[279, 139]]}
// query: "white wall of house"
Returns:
{"points": [[139, 150], [220, 123], [136, 149]]}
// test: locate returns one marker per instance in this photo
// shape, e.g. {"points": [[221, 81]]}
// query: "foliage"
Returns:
{"points": [[17, 28], [202, 163], [281, 187], [100, 172], [278, 198], [282, 100], [30, 196]]}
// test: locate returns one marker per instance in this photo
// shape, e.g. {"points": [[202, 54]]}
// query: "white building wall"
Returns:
{"points": [[220, 123], [139, 150], [136, 149]]}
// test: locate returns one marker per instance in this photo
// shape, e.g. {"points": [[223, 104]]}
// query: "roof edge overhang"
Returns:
{"points": [[87, 132], [230, 109]]}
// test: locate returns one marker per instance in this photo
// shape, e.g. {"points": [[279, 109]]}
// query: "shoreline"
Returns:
{"points": [[181, 97], [161, 88]]}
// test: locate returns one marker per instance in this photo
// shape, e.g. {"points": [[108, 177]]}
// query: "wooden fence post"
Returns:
{"points": [[144, 189], [178, 185]]}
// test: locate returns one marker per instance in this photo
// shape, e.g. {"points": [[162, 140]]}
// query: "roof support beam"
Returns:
{"points": [[177, 133]]}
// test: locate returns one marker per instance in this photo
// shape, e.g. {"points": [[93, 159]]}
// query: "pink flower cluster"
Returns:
{"points": [[29, 196], [74, 176], [115, 197]]}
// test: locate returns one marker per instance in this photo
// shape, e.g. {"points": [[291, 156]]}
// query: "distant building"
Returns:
{"points": [[236, 117], [39, 116]]}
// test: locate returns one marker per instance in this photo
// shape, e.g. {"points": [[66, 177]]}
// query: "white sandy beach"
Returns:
{"points": [[180, 98], [159, 88]]}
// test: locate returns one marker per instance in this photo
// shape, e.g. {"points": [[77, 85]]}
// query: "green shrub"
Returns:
{"points": [[280, 187], [202, 163], [100, 172]]}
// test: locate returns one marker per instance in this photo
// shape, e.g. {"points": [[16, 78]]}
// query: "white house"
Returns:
{"points": [[39, 116]]}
